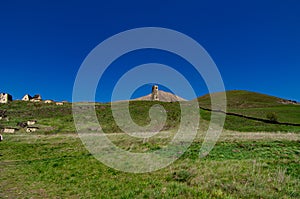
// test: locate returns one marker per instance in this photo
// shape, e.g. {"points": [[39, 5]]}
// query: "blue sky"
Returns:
{"points": [[255, 44]]}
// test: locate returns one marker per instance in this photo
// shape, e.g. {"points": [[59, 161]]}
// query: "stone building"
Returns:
{"points": [[48, 101], [155, 93], [26, 97], [5, 98], [36, 98]]}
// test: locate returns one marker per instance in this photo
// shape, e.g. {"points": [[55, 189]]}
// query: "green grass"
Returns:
{"points": [[245, 125], [51, 118], [243, 99], [39, 166], [53, 162], [285, 113], [58, 119], [255, 105]]}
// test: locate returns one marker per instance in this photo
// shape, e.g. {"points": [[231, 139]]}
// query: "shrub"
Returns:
{"points": [[272, 117]]}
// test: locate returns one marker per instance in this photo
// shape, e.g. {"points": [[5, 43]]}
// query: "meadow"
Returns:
{"points": [[241, 165], [252, 159]]}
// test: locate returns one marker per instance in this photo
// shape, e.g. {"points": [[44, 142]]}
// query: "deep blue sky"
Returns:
{"points": [[255, 44]]}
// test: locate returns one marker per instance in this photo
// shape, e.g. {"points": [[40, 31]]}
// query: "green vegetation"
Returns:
{"points": [[51, 118], [59, 119], [272, 117], [259, 106], [139, 111], [53, 162], [243, 99], [58, 166]]}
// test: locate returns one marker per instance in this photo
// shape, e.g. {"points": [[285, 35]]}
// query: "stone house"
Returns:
{"points": [[26, 97], [5, 98], [31, 129], [59, 103], [36, 98]]}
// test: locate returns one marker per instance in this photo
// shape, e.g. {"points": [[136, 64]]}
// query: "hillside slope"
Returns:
{"points": [[257, 105], [59, 119]]}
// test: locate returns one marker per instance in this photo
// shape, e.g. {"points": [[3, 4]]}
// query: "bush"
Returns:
{"points": [[272, 117]]}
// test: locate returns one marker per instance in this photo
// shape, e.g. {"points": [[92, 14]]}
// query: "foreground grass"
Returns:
{"points": [[58, 166]]}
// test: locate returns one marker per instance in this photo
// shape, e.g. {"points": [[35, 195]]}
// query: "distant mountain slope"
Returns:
{"points": [[163, 97]]}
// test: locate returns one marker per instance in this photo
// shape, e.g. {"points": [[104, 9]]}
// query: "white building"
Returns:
{"points": [[5, 97], [36, 98], [26, 97]]}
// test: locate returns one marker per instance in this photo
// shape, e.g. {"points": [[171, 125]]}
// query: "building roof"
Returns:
{"points": [[37, 96], [29, 96]]}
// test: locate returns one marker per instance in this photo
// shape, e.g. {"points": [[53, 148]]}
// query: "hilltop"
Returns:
{"points": [[246, 99], [163, 97]]}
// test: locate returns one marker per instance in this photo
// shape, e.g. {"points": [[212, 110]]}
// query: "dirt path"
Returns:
{"points": [[226, 135]]}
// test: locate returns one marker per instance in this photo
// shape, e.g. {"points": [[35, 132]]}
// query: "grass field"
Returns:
{"points": [[242, 165], [252, 159]]}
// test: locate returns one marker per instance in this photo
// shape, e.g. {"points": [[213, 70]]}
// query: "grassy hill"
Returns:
{"points": [[58, 119], [241, 165], [243, 99], [259, 106]]}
